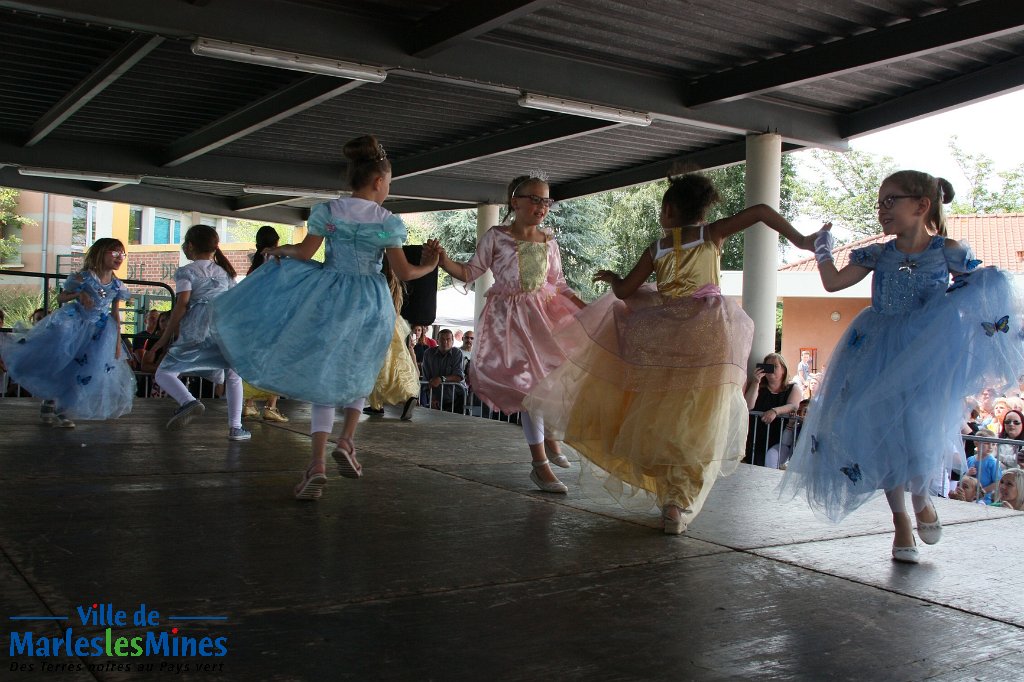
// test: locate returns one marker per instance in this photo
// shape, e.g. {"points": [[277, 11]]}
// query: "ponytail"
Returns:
{"points": [[222, 260]]}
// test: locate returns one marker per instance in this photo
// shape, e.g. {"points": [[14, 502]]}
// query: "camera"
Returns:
{"points": [[766, 367]]}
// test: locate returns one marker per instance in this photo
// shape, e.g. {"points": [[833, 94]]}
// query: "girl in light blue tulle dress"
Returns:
{"points": [[319, 332], [889, 412], [191, 349], [73, 358]]}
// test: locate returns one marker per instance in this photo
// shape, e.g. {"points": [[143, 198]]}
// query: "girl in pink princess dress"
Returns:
{"points": [[527, 303]]}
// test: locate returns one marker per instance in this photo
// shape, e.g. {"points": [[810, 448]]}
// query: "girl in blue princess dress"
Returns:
{"points": [[73, 358], [194, 352], [888, 414], [333, 322]]}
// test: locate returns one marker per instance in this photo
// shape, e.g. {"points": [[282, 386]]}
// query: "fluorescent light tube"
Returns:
{"points": [[567, 106], [80, 175], [290, 192], [205, 47]]}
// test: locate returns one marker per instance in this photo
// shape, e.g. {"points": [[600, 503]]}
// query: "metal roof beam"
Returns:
{"points": [[974, 87], [109, 71], [982, 20], [716, 157], [462, 21], [251, 202], [278, 106], [318, 31], [99, 158], [151, 195], [519, 139]]}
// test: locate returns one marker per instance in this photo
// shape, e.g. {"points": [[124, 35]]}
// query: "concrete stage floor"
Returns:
{"points": [[444, 563]]}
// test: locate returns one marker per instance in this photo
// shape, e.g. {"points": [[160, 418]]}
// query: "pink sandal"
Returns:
{"points": [[348, 465], [312, 485]]}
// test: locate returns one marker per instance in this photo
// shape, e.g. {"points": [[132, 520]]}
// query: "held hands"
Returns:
{"points": [[433, 251], [84, 300]]}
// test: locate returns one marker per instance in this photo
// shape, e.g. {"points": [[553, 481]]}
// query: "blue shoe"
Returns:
{"points": [[186, 413], [238, 433]]}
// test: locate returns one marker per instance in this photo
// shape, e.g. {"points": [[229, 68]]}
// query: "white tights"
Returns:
{"points": [[232, 387], [533, 428], [898, 501], [322, 416]]}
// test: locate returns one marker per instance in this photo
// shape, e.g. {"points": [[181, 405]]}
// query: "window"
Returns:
{"points": [[135, 225], [166, 229], [83, 224]]}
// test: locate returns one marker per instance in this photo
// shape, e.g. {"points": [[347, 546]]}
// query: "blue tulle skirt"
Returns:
{"points": [[303, 331], [69, 358], [889, 411]]}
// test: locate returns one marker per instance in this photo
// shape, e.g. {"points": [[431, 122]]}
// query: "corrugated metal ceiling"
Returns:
{"points": [[709, 72]]}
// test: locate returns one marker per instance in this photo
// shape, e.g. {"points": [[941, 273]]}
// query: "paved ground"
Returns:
{"points": [[444, 563]]}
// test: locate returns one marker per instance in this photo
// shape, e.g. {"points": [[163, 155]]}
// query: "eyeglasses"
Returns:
{"points": [[890, 200], [536, 200], [118, 254]]}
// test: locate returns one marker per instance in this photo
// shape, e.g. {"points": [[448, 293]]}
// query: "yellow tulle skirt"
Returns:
{"points": [[399, 378], [652, 396]]}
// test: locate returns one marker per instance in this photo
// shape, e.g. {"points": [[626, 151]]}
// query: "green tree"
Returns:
{"points": [[845, 189], [11, 225], [1003, 193]]}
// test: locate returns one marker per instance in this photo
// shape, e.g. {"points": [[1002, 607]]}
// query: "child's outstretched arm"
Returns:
{"points": [[832, 278], [623, 288], [404, 270], [720, 230], [304, 250]]}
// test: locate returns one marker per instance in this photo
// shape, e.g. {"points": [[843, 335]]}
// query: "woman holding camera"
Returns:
{"points": [[773, 395]]}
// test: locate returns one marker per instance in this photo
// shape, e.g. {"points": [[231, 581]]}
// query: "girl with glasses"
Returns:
{"points": [[73, 358], [889, 413], [652, 396], [528, 301]]}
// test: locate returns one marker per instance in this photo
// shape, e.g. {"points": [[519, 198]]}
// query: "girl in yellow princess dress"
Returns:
{"points": [[651, 396]]}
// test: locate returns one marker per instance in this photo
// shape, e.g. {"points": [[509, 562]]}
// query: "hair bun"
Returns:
{"points": [[365, 148], [946, 191]]}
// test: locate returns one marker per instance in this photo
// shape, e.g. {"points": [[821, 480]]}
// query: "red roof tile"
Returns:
{"points": [[996, 239]]}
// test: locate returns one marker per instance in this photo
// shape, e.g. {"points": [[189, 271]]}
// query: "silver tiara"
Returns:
{"points": [[531, 176]]}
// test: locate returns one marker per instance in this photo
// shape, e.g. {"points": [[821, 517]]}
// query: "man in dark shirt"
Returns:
{"points": [[443, 369]]}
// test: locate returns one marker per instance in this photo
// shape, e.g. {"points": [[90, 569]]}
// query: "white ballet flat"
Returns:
{"points": [[930, 533], [906, 555], [549, 487]]}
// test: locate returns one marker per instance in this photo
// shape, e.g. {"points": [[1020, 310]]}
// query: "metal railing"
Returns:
{"points": [[457, 398]]}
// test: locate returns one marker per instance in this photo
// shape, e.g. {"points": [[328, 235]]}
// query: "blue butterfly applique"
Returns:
{"points": [[958, 282], [972, 263], [383, 235], [852, 473], [82, 360], [109, 368], [84, 381], [814, 444], [21, 340], [1000, 325], [855, 338]]}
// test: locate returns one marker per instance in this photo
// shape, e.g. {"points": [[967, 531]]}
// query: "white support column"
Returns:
{"points": [[486, 218], [761, 243]]}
